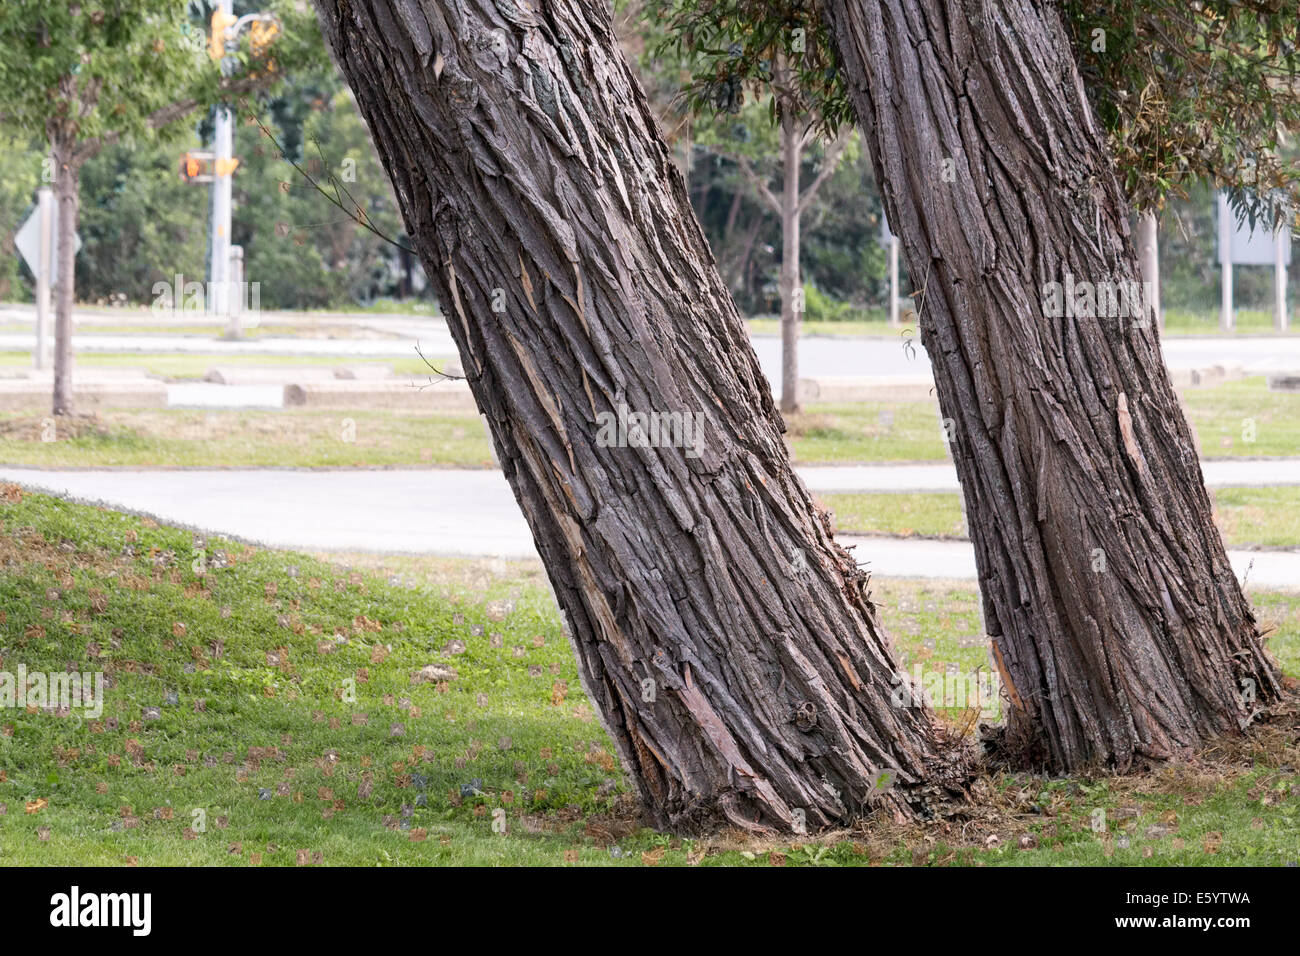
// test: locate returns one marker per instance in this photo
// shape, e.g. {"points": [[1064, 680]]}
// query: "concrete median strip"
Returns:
{"points": [[838, 390], [295, 374], [28, 395], [418, 394]]}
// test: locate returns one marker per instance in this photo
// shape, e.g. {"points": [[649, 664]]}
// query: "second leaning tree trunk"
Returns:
{"points": [[1119, 626], [727, 642]]}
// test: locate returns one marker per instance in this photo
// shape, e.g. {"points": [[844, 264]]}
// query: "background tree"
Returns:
{"points": [[89, 76], [1199, 92], [728, 644], [843, 266], [729, 57]]}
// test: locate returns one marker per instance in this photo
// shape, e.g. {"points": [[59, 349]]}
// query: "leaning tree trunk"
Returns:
{"points": [[727, 642], [1118, 625]]}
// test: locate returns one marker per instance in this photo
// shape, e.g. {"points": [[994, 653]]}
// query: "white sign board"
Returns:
{"points": [[28, 242], [1250, 247]]}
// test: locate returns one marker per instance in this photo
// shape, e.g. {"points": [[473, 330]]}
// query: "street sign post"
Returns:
{"points": [[1241, 245], [890, 240], [225, 29], [37, 242]]}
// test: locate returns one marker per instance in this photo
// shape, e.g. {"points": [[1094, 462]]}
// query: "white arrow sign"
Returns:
{"points": [[28, 241]]}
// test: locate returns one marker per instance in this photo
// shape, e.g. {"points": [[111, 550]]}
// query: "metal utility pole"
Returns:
{"points": [[1148, 250], [1225, 264], [223, 19], [1281, 256], [225, 34]]}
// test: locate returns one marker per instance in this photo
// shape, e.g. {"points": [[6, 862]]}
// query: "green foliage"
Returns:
{"points": [[140, 224], [17, 186], [100, 68], [1205, 90], [819, 307], [307, 252], [1195, 91], [774, 51]]}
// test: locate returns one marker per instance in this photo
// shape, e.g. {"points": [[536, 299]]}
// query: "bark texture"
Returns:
{"points": [[1119, 627], [532, 176]]}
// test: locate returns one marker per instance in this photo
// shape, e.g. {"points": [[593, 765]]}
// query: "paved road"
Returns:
{"points": [[438, 512], [819, 357], [825, 357]]}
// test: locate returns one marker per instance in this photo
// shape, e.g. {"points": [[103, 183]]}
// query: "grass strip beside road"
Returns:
{"points": [[1247, 517], [263, 712]]}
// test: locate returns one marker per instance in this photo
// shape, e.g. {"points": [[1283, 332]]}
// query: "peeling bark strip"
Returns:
{"points": [[525, 159], [1070, 443]]}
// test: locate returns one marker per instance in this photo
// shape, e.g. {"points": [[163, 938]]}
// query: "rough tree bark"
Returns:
{"points": [[532, 177], [1120, 630]]}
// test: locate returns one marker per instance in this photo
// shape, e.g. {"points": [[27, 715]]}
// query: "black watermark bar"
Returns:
{"points": [[338, 905]]}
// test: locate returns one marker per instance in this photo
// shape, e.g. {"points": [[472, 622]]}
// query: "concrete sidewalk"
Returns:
{"points": [[439, 512]]}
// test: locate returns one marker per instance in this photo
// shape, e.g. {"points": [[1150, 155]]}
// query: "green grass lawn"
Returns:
{"points": [[1224, 416], [1244, 419], [1238, 419], [263, 712], [1265, 517], [1258, 517], [865, 432], [171, 438], [875, 327], [905, 514], [1206, 322]]}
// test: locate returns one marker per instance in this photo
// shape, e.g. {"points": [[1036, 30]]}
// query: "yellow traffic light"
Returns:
{"points": [[261, 33], [197, 167], [221, 21]]}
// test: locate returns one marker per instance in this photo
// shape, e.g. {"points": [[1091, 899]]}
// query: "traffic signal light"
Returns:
{"points": [[217, 41], [260, 35], [197, 167]]}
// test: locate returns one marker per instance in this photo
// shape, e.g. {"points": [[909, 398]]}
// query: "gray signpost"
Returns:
{"points": [[37, 242], [890, 241], [1240, 245]]}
